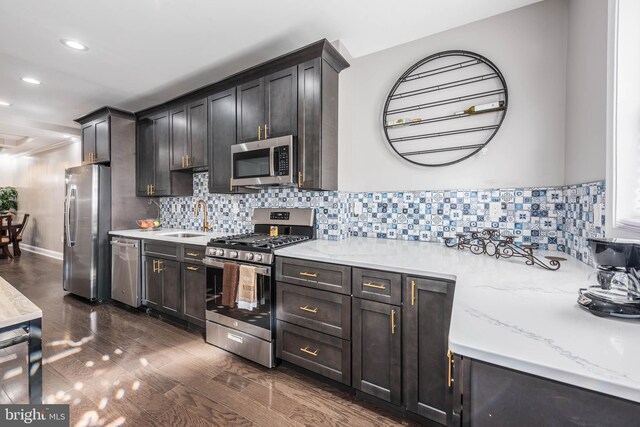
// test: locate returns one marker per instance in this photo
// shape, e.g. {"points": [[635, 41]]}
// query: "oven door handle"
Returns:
{"points": [[265, 271]]}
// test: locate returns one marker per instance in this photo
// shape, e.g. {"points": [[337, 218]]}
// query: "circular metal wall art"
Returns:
{"points": [[445, 108]]}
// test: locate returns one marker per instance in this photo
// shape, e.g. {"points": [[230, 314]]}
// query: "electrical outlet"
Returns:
{"points": [[496, 210]]}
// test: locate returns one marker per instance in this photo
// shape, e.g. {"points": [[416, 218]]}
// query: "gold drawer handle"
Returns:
{"points": [[193, 268], [160, 270], [450, 370], [305, 274], [413, 292], [310, 310], [312, 353], [393, 322], [373, 285], [155, 268], [193, 253]]}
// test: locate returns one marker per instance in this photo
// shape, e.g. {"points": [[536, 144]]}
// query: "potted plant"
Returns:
{"points": [[8, 200]]}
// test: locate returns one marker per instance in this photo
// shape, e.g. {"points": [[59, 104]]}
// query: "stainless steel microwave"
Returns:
{"points": [[266, 162]]}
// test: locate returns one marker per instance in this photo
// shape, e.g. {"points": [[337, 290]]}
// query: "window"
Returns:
{"points": [[623, 121]]}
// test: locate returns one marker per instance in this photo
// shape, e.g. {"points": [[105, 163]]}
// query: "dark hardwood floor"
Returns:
{"points": [[116, 366]]}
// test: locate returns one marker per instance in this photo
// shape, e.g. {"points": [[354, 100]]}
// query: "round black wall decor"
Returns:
{"points": [[445, 108]]}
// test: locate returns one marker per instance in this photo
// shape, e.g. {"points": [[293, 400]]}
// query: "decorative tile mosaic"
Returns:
{"points": [[581, 205], [534, 215], [553, 218], [232, 213]]}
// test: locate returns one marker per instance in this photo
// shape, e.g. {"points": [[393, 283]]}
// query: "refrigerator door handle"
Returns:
{"points": [[72, 199]]}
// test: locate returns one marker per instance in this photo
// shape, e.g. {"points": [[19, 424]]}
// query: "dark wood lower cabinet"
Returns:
{"points": [[377, 345], [171, 295], [426, 313], [498, 396], [152, 283], [194, 293]]}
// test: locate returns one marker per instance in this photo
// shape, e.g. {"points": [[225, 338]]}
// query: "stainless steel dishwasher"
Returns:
{"points": [[126, 274]]}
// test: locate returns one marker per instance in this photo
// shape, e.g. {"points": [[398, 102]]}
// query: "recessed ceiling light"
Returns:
{"points": [[30, 80], [4, 104], [73, 44]]}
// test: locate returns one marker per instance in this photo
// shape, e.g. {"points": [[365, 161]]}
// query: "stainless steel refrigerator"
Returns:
{"points": [[87, 221]]}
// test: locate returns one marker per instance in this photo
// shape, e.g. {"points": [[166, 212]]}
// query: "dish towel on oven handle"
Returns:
{"points": [[247, 288], [230, 275]]}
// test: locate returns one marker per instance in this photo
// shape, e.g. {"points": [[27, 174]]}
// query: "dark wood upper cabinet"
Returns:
{"points": [[377, 347], [197, 134], [250, 112], [189, 136], [317, 125], [222, 135], [179, 143], [154, 176], [427, 305], [267, 107], [281, 103], [95, 133]]}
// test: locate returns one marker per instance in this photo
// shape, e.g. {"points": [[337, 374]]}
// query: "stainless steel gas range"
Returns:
{"points": [[250, 333]]}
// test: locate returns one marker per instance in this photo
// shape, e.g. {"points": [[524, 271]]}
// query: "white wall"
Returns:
{"points": [[39, 179], [529, 45], [585, 149]]}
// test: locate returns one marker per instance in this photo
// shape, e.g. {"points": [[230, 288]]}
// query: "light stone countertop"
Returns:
{"points": [[15, 308], [161, 234], [507, 313]]}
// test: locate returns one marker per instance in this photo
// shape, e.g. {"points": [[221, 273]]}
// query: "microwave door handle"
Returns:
{"points": [[273, 162]]}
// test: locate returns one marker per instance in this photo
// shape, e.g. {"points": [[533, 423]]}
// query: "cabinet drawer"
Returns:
{"points": [[319, 275], [377, 285], [193, 253], [165, 250], [318, 310], [321, 353]]}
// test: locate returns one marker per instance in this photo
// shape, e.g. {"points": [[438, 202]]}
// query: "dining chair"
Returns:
{"points": [[16, 236], [5, 235]]}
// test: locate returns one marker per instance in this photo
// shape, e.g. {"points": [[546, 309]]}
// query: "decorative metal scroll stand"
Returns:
{"points": [[490, 242]]}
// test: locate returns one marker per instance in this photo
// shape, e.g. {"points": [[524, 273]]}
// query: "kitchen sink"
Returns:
{"points": [[182, 235]]}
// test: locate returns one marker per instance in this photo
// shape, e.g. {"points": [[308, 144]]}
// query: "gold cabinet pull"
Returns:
{"points": [[259, 130], [312, 353], [193, 253], [187, 160], [413, 292], [192, 268], [182, 159], [299, 178], [147, 189], [155, 268], [152, 190], [265, 131], [373, 285], [305, 274], [450, 370], [309, 310], [393, 321], [160, 270], [230, 184]]}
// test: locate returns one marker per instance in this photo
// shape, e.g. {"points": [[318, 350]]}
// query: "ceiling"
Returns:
{"points": [[144, 52]]}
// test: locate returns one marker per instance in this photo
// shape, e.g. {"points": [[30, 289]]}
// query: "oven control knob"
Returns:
{"points": [[249, 256], [219, 252], [233, 254], [258, 257]]}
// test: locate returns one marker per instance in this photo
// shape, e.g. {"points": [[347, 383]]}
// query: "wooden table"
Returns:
{"points": [[17, 312]]}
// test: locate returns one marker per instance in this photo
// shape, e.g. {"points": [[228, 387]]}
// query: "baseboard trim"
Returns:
{"points": [[41, 251]]}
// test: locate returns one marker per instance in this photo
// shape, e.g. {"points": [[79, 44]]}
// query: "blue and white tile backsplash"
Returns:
{"points": [[554, 218]]}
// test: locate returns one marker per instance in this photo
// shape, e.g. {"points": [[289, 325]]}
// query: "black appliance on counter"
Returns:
{"points": [[251, 333], [615, 286]]}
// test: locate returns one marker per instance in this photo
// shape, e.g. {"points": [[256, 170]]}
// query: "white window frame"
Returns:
{"points": [[617, 223]]}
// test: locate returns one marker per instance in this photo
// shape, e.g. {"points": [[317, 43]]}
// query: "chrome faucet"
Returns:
{"points": [[205, 224]]}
